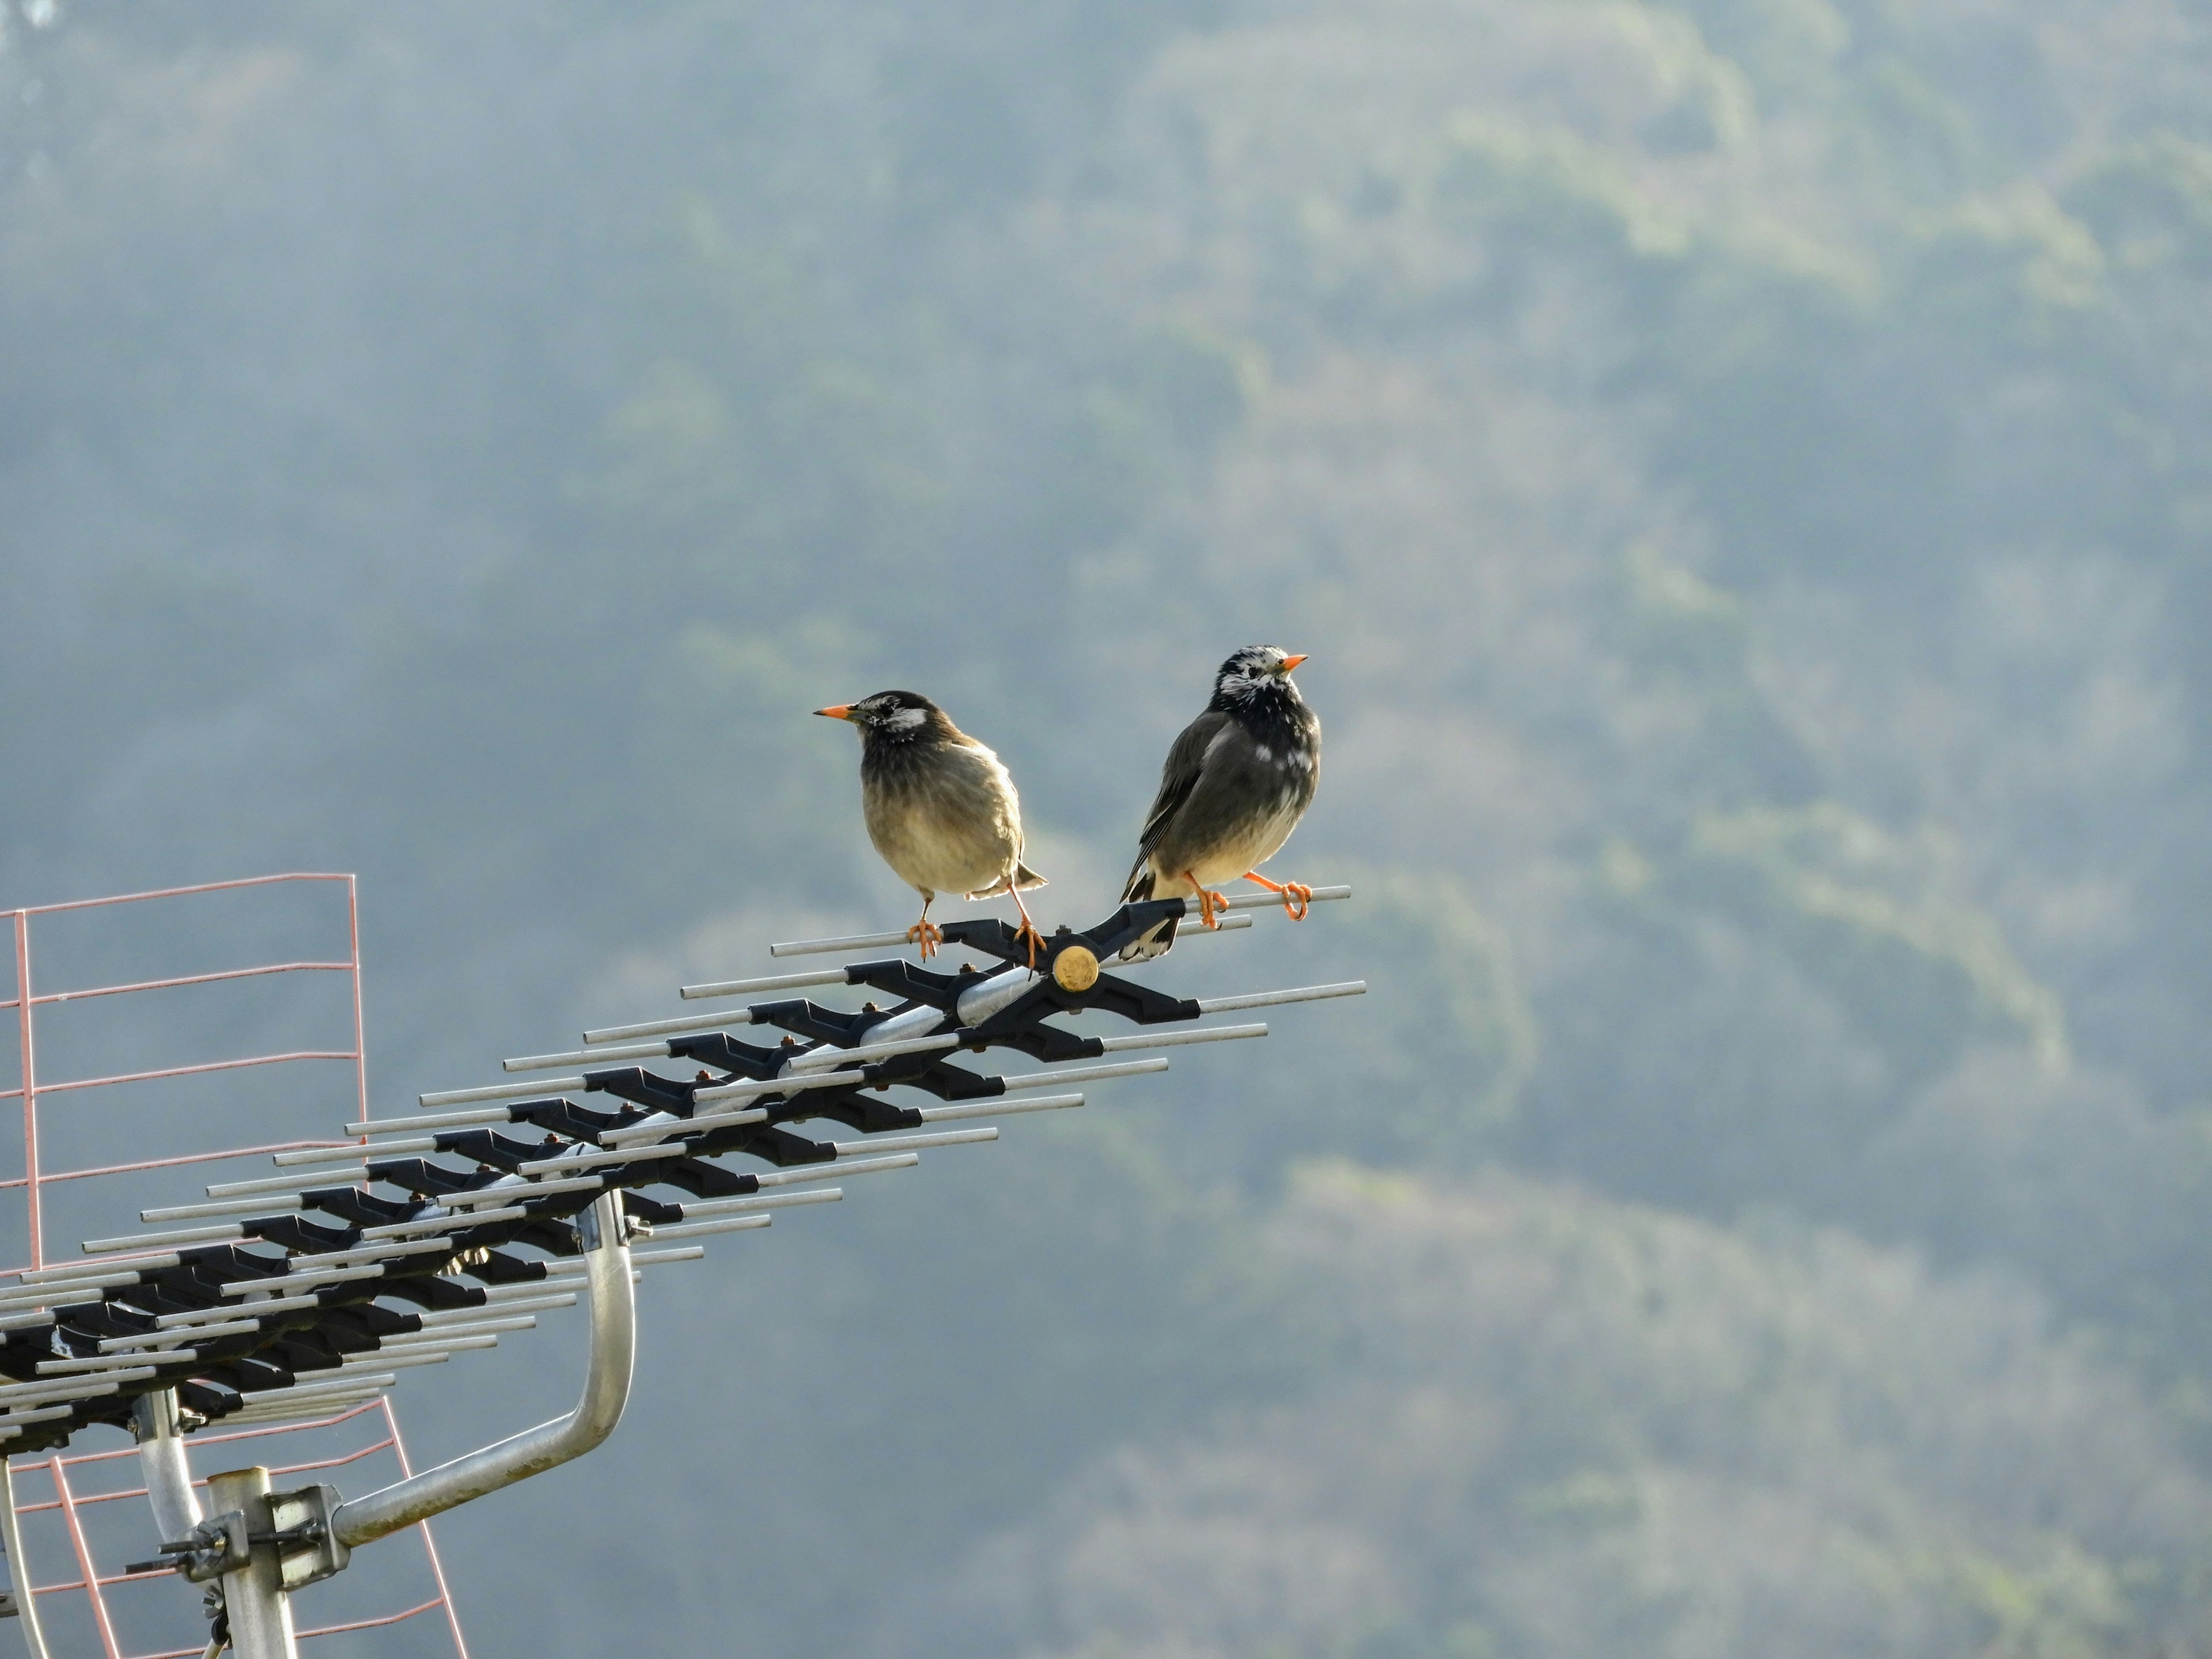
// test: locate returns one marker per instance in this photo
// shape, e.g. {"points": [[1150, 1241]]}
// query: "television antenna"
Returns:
{"points": [[265, 1305]]}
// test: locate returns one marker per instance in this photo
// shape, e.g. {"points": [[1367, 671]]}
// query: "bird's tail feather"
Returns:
{"points": [[1025, 878], [1156, 943]]}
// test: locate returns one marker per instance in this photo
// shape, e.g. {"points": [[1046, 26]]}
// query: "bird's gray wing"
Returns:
{"points": [[1185, 761]]}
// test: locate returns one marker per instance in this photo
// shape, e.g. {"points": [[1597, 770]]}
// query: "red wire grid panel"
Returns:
{"points": [[186, 1026]]}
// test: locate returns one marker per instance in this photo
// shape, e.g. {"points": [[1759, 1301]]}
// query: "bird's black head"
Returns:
{"points": [[891, 716], [1256, 673]]}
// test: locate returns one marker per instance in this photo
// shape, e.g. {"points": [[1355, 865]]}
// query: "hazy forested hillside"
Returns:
{"points": [[1742, 469]]}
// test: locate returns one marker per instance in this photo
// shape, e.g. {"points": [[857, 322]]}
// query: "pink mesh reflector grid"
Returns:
{"points": [[147, 1030]]}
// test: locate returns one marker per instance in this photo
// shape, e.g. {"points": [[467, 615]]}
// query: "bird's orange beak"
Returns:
{"points": [[1289, 663], [838, 711]]}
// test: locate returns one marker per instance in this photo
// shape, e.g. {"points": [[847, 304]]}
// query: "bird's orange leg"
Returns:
{"points": [[1027, 930], [927, 933], [1298, 897], [1208, 902]]}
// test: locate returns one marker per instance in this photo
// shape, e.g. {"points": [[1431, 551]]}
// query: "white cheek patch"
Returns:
{"points": [[905, 720]]}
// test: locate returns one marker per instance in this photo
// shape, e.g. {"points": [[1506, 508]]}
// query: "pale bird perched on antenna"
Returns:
{"points": [[941, 808], [1235, 784]]}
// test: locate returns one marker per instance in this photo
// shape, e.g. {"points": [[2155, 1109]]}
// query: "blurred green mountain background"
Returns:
{"points": [[1741, 470]]}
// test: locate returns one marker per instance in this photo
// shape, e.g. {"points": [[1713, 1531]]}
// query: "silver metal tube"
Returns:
{"points": [[1082, 1074], [1262, 900], [721, 1207], [513, 1304], [1177, 1039], [987, 996], [815, 1060], [350, 1154], [273, 1203], [775, 1085], [735, 1224], [285, 1184], [167, 1467], [175, 1235], [909, 1142], [422, 1120], [500, 1191], [682, 1025], [573, 1057], [807, 947], [606, 1391], [19, 1567], [448, 1222], [838, 1171], [544, 1086], [661, 1258], [54, 1290], [1351, 987], [253, 1597], [196, 1316], [738, 987], [70, 1270], [563, 1163], [999, 1108], [663, 1124], [318, 1390], [231, 1327]]}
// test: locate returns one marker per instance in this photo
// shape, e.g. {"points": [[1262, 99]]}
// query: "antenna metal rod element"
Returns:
{"points": [[606, 1391], [517, 1304], [1262, 900], [285, 1184], [999, 1108], [179, 1236], [661, 1127], [336, 1154], [1121, 1045], [815, 1059], [841, 1168], [739, 987], [735, 1224], [1083, 1074], [567, 1162], [545, 1088], [1351, 987], [775, 1085], [809, 947], [682, 1025], [195, 1316], [78, 1269], [422, 1120], [444, 1224], [272, 1202], [661, 1258], [913, 1143], [314, 1391], [626, 1051], [718, 1206]]}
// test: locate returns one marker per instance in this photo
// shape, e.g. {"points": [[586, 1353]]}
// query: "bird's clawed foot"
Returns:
{"points": [[1027, 932], [1296, 896], [927, 934], [1208, 902]]}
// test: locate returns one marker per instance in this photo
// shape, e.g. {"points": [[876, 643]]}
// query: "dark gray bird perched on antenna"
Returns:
{"points": [[1235, 784], [941, 808]]}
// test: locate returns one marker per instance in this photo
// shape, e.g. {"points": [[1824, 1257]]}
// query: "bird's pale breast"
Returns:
{"points": [[954, 826]]}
